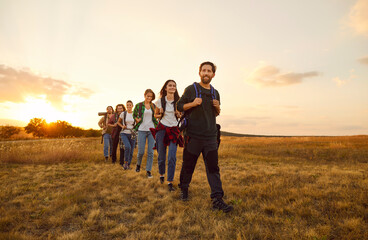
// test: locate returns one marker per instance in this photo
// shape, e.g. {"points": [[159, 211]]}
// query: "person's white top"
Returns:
{"points": [[147, 121], [129, 122], [169, 119]]}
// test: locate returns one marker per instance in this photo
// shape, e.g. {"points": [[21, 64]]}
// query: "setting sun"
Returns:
{"points": [[41, 108]]}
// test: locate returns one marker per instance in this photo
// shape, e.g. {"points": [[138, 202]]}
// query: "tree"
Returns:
{"points": [[37, 126], [8, 131]]}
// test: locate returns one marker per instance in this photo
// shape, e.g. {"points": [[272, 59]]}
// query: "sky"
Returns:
{"points": [[284, 67]]}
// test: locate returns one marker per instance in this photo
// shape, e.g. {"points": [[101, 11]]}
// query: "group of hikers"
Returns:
{"points": [[160, 125]]}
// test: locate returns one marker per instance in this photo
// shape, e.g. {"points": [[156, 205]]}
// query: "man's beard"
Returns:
{"points": [[206, 81]]}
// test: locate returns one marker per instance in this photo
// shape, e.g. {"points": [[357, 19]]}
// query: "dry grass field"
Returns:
{"points": [[281, 188]]}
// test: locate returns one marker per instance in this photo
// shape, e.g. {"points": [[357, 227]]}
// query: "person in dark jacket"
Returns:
{"points": [[115, 134], [201, 136]]}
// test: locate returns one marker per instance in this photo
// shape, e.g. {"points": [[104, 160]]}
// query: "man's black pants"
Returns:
{"points": [[193, 148]]}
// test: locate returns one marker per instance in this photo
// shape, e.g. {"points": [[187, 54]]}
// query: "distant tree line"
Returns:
{"points": [[38, 127]]}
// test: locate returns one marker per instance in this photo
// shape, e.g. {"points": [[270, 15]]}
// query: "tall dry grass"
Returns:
{"points": [[281, 188]]}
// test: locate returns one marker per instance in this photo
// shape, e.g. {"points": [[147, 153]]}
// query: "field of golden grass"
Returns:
{"points": [[281, 188]]}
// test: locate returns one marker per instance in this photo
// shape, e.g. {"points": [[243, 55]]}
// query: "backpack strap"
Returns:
{"points": [[213, 93], [197, 90], [125, 113], [163, 105]]}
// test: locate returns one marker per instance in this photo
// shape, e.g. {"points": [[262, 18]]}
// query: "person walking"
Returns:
{"points": [[106, 132], [167, 132], [115, 134], [143, 114], [127, 134], [201, 135]]}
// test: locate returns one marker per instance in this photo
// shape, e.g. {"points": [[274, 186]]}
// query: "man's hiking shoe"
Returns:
{"points": [[162, 179], [219, 204], [106, 159], [184, 194], [171, 187], [149, 175], [138, 168]]}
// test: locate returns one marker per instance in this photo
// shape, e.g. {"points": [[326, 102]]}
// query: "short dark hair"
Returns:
{"points": [[129, 101], [208, 63]]}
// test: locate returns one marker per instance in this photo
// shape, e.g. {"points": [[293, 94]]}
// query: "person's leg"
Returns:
{"points": [[171, 162], [106, 142], [151, 144], [141, 146], [132, 144], [115, 143], [210, 157], [122, 149], [127, 147], [187, 168], [161, 150], [110, 145]]}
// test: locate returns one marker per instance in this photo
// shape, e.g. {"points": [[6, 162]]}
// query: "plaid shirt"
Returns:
{"points": [[137, 114], [171, 134]]}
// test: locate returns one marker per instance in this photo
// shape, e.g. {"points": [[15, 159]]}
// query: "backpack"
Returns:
{"points": [[183, 121]]}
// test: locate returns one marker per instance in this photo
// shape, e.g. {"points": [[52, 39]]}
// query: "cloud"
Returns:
{"points": [[16, 85], [363, 60], [270, 76], [358, 17], [340, 82]]}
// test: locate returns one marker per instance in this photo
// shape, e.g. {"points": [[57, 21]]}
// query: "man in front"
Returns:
{"points": [[201, 135]]}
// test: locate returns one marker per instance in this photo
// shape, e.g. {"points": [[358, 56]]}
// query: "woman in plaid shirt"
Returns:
{"points": [[144, 116]]}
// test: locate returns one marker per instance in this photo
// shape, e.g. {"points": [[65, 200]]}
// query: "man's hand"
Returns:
{"points": [[216, 104], [197, 101], [138, 120]]}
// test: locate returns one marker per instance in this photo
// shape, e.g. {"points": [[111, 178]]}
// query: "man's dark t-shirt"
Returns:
{"points": [[202, 119]]}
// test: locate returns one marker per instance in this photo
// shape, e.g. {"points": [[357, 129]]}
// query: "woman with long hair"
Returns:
{"points": [[143, 114], [127, 134], [167, 132]]}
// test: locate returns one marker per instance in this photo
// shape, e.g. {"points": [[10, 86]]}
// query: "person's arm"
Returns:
{"points": [[185, 102], [101, 122], [136, 114], [216, 104], [119, 122], [158, 110], [111, 121]]}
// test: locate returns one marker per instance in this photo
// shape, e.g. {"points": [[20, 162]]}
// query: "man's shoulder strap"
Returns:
{"points": [[213, 92], [197, 89]]}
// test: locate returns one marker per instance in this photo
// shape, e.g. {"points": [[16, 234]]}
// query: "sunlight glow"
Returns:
{"points": [[41, 108]]}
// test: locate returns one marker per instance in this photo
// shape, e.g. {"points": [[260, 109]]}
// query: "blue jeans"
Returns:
{"points": [[129, 145], [161, 149], [142, 136], [107, 140]]}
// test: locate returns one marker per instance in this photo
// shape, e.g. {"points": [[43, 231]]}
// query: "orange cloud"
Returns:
{"points": [[358, 17], [340, 82], [270, 76], [363, 60], [16, 85]]}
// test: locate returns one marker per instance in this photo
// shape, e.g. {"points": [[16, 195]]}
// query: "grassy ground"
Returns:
{"points": [[281, 188]]}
